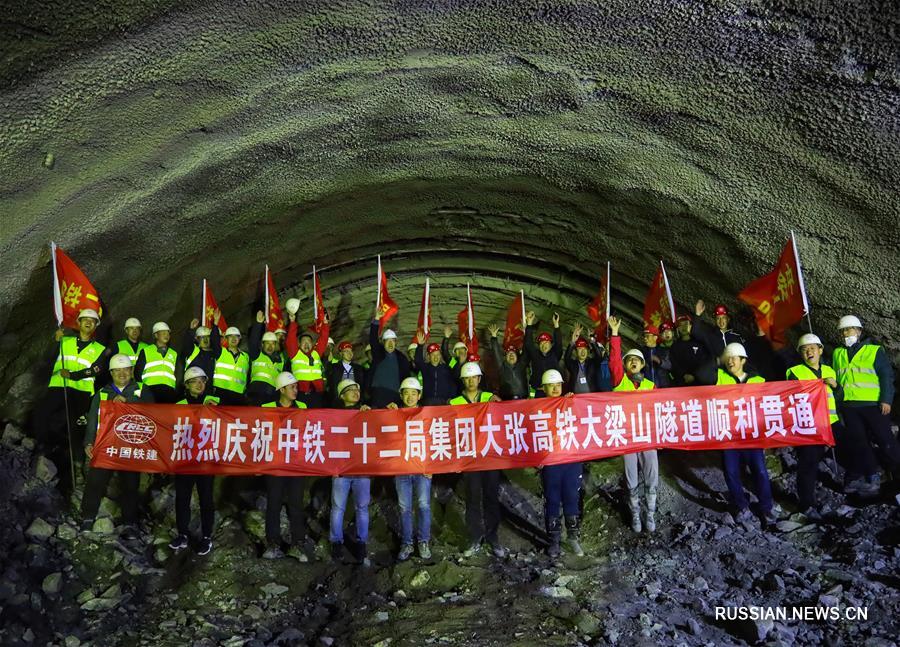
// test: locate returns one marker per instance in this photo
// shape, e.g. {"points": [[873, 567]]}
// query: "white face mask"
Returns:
{"points": [[849, 341]]}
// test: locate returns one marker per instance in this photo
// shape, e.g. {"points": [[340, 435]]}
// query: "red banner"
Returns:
{"points": [[274, 318], [197, 439], [658, 305], [778, 299], [72, 291]]}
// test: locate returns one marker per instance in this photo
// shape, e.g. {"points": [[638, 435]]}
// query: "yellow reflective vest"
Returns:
{"points": [[124, 347], [627, 385], [803, 372], [231, 372], [306, 369], [484, 396], [159, 369], [263, 369], [857, 375], [71, 360], [297, 404], [727, 378]]}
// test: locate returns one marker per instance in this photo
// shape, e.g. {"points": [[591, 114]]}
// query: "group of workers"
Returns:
{"points": [[297, 368]]}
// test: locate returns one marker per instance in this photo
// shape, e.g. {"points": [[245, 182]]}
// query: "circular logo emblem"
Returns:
{"points": [[135, 429]]}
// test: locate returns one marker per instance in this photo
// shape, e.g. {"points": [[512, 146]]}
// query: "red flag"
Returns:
{"points": [[466, 321], [72, 291], [425, 310], [274, 318], [318, 303], [598, 308], [385, 305], [658, 306], [514, 334], [209, 312], [778, 299]]}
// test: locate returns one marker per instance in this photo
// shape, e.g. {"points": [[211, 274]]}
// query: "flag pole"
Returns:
{"points": [[315, 298], [378, 285], [668, 291], [57, 307], [267, 297], [800, 280], [522, 294], [203, 306], [427, 305]]}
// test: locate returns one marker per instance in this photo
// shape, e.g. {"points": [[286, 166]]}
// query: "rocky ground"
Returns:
{"points": [[63, 586]]}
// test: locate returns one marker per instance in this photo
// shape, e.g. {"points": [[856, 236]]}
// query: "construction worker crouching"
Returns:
{"points": [[122, 388], [155, 367], [232, 370]]}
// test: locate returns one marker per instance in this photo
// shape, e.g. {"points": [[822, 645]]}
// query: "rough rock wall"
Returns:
{"points": [[507, 143]]}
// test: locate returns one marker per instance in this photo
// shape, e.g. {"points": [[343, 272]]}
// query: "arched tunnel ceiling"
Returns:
{"points": [[506, 144]]}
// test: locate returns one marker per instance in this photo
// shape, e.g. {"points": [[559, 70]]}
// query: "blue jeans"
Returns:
{"points": [[340, 491], [562, 484], [733, 461], [422, 485]]}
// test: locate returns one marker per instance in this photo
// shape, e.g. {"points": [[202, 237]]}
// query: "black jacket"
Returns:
{"points": [[689, 358], [537, 360], [714, 339], [591, 371], [334, 375], [438, 382], [513, 378]]}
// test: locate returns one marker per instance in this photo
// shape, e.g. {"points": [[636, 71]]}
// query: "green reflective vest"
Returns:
{"points": [[306, 369], [857, 376], [124, 347], [159, 369], [297, 404], [71, 360], [627, 385], [803, 372], [104, 394], [726, 378], [484, 396], [231, 372], [263, 369], [210, 399]]}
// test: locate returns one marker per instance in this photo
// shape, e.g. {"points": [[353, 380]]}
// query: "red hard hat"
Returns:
{"points": [[653, 330], [345, 345], [667, 325], [683, 318], [510, 348], [433, 347], [473, 357], [720, 310], [544, 336], [581, 342]]}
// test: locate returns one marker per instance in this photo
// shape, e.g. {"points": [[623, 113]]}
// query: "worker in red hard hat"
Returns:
{"points": [[717, 337], [666, 334], [438, 382], [346, 368], [512, 368], [656, 359], [581, 365], [544, 355]]}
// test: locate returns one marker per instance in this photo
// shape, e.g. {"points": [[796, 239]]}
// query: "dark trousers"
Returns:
{"points": [[483, 505], [163, 394], [281, 490], [312, 400], [562, 484], [230, 398], [733, 462], [808, 457], [259, 393], [184, 490], [866, 426], [50, 429], [95, 489]]}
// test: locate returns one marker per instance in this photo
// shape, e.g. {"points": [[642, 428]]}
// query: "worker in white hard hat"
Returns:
{"points": [[232, 370], [266, 362], [389, 366], [627, 374], [733, 371], [810, 349], [482, 488], [341, 486], [287, 491], [307, 363], [157, 364], [456, 356], [131, 345], [413, 486], [200, 347], [865, 373], [121, 388], [561, 485], [77, 362], [195, 392], [344, 369]]}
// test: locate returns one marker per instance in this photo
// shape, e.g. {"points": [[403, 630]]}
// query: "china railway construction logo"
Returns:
{"points": [[135, 429]]}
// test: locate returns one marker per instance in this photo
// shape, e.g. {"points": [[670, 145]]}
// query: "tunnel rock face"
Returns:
{"points": [[507, 145]]}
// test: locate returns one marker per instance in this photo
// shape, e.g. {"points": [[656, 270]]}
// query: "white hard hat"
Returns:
{"points": [[90, 313], [132, 322], [292, 305], [734, 350], [285, 379], [280, 330], [459, 345], [808, 339], [120, 361], [331, 341], [634, 352], [269, 336], [551, 376], [412, 346], [389, 334], [232, 330], [160, 325], [193, 372], [410, 383], [470, 369], [849, 321], [343, 385], [202, 331]]}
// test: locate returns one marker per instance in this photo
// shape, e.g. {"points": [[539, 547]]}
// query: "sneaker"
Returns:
{"points": [[406, 551], [298, 553], [205, 546], [472, 550], [180, 542], [498, 550], [273, 552], [424, 550]]}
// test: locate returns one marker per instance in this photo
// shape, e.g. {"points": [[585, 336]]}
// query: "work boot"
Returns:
{"points": [[634, 505], [651, 511], [573, 533], [554, 532]]}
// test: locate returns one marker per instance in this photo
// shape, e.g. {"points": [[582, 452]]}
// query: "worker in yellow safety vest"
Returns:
{"points": [[156, 365], [232, 370]]}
